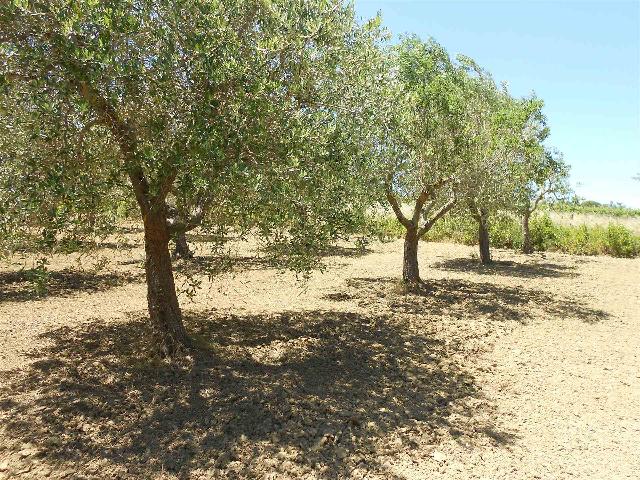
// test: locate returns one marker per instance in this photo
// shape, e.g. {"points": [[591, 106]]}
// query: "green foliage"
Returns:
{"points": [[454, 228], [545, 234], [383, 228], [246, 114], [622, 242], [39, 277]]}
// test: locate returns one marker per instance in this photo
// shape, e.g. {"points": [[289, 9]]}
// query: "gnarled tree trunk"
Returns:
{"points": [[410, 269], [527, 247], [181, 249], [483, 237], [164, 310]]}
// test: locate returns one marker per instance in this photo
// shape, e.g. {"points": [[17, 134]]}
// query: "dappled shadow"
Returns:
{"points": [[350, 252], [211, 238], [216, 264], [507, 268], [117, 245], [31, 284], [465, 298], [334, 393], [131, 229]]}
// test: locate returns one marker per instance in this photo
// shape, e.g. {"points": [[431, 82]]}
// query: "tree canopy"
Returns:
{"points": [[247, 106], [288, 120]]}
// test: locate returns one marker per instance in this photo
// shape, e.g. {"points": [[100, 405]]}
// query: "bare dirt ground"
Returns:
{"points": [[526, 369]]}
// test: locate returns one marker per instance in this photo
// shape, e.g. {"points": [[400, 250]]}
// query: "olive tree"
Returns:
{"points": [[424, 145], [503, 138], [546, 175], [239, 106]]}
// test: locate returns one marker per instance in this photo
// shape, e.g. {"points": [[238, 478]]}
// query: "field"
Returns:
{"points": [[591, 219], [524, 369]]}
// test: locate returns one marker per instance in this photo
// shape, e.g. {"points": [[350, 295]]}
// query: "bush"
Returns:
{"points": [[505, 231], [621, 242], [385, 228], [454, 228], [544, 233]]}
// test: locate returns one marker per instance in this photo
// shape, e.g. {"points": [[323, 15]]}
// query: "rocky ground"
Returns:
{"points": [[529, 368]]}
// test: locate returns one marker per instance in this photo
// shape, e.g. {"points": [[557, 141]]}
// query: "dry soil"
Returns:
{"points": [[529, 368]]}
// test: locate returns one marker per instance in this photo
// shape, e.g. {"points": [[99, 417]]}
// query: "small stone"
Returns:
{"points": [[45, 472], [4, 465], [341, 453], [26, 469], [27, 452], [438, 456]]}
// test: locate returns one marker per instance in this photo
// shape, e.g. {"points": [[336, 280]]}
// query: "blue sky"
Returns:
{"points": [[581, 58]]}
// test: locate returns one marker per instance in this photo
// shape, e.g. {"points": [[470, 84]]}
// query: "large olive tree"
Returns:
{"points": [[238, 106]]}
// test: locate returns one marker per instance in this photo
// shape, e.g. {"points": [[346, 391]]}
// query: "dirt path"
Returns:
{"points": [[527, 369]]}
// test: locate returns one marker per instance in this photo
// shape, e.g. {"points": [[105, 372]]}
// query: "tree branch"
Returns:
{"points": [[396, 209], [177, 224], [125, 137], [439, 214], [417, 209]]}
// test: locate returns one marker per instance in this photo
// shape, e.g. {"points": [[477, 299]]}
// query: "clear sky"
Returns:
{"points": [[582, 58]]}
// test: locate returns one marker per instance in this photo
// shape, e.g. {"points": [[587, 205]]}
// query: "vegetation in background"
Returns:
{"points": [[546, 175], [592, 207], [505, 231]]}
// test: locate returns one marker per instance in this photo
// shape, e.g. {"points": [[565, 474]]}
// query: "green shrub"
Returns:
{"points": [[454, 228], [505, 231], [621, 242], [544, 233], [582, 240], [385, 228], [39, 277]]}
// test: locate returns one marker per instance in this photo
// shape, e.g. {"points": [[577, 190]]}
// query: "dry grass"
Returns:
{"points": [[571, 219]]}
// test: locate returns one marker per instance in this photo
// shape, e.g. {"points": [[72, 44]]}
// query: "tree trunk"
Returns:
{"points": [[410, 269], [181, 249], [526, 234], [483, 238], [164, 310]]}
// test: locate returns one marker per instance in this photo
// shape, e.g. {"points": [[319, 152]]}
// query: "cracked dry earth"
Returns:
{"points": [[525, 369]]}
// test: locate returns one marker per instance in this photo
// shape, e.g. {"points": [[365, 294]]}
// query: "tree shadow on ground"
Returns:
{"points": [[349, 252], [29, 284], [329, 393], [212, 264], [470, 299], [507, 268]]}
